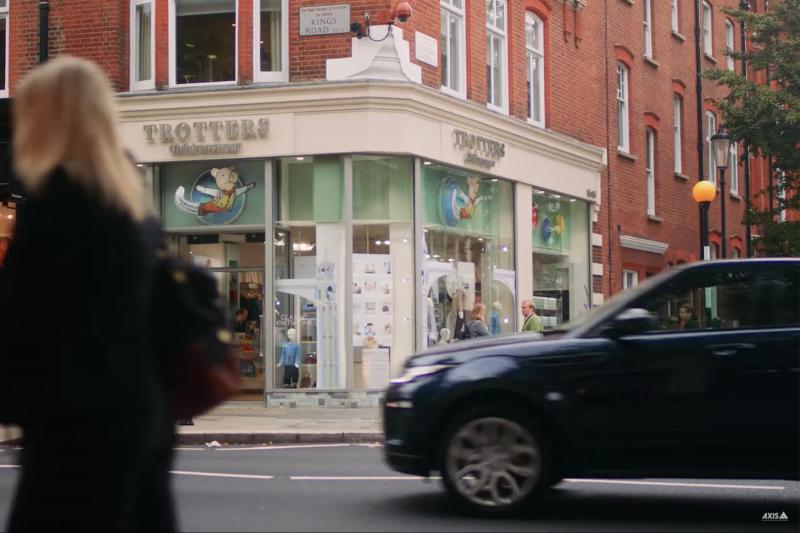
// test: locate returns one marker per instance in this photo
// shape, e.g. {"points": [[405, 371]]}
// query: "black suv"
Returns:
{"points": [[694, 373]]}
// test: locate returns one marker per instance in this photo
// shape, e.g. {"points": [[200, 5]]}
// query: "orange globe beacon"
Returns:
{"points": [[704, 191]]}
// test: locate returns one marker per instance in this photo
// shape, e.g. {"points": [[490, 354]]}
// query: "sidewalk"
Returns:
{"points": [[253, 423]]}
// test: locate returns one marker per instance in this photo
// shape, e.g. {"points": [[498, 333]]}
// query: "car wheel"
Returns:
{"points": [[494, 460]]}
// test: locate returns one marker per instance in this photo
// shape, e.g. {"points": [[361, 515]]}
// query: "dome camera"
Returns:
{"points": [[402, 11]]}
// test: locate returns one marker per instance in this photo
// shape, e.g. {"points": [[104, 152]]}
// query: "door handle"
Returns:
{"points": [[728, 350]]}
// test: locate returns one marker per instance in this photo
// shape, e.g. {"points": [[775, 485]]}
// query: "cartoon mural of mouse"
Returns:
{"points": [[223, 196]]}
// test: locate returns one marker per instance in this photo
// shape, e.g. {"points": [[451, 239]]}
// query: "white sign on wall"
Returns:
{"points": [[323, 20], [426, 49]]}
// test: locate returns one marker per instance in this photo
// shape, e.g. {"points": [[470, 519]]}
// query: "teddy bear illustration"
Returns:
{"points": [[223, 196]]}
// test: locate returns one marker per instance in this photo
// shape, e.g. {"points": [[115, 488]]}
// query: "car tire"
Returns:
{"points": [[495, 460]]}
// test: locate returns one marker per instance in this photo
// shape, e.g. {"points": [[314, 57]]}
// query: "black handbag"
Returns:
{"points": [[192, 337]]}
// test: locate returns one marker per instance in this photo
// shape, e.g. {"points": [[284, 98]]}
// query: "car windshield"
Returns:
{"points": [[611, 306]]}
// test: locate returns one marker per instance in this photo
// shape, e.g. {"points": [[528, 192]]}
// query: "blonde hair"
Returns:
{"points": [[479, 311], [64, 115]]}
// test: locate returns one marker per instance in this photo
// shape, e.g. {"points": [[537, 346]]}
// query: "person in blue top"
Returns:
{"points": [[290, 360]]}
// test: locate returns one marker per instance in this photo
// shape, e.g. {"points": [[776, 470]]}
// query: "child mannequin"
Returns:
{"points": [[290, 359]]}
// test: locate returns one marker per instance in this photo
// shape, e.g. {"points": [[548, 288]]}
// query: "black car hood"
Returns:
{"points": [[466, 350]]}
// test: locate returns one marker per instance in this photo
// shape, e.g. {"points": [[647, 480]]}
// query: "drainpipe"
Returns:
{"points": [[744, 5], [699, 92], [44, 11]]}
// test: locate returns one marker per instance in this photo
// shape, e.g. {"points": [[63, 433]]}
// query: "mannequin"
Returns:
{"points": [[290, 360], [444, 336], [494, 318]]}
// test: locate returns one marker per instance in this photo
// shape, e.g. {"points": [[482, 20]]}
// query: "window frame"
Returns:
{"points": [[173, 65], [4, 14], [459, 13], [132, 83], [677, 132], [730, 44], [733, 165], [650, 169], [711, 128], [529, 52], [674, 19], [633, 275], [708, 29], [623, 107], [492, 30], [647, 23], [260, 76]]}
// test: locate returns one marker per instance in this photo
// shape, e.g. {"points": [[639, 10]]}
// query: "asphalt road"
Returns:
{"points": [[348, 488]]}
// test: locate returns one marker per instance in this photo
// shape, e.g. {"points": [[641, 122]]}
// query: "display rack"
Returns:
{"points": [[552, 306]]}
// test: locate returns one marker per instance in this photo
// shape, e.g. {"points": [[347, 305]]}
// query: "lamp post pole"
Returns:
{"points": [[704, 230], [722, 211], [744, 5], [704, 193]]}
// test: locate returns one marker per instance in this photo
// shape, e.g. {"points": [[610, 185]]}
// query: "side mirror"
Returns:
{"points": [[632, 321]]}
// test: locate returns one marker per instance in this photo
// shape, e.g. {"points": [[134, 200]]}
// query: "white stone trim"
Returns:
{"points": [[597, 239], [644, 245], [389, 59], [597, 269]]}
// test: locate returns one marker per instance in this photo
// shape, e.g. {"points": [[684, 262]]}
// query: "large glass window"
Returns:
{"points": [[269, 40], [534, 54], [204, 46], [623, 141], [310, 254], [496, 53], [383, 268], [142, 49], [451, 46], [468, 252], [560, 235]]}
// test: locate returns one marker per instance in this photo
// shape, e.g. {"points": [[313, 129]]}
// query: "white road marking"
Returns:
{"points": [[360, 478], [283, 447], [189, 449], [674, 484], [217, 474]]}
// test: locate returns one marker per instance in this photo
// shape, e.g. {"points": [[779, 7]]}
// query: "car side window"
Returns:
{"points": [[707, 300], [777, 299]]}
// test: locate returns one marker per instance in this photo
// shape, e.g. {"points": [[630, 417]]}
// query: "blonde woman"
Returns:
{"points": [[75, 316], [477, 326]]}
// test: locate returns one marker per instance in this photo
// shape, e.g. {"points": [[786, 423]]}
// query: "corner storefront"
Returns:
{"points": [[350, 225]]}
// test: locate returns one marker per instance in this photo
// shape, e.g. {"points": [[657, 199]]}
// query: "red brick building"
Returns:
{"points": [[591, 101]]}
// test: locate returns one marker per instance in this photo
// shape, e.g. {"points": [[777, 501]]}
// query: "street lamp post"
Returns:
{"points": [[703, 193], [721, 142]]}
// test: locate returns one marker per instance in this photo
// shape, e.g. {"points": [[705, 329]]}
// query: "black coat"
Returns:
{"points": [[77, 354]]}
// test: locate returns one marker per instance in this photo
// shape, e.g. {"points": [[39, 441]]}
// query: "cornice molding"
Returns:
{"points": [[644, 245]]}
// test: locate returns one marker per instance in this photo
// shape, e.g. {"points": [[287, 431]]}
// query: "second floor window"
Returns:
{"points": [[496, 53], [142, 49], [648, 28], [451, 46], [650, 148], [708, 47], [270, 38], [676, 133], [711, 128], [203, 41], [733, 168], [729, 44], [534, 54], [623, 143], [673, 15]]}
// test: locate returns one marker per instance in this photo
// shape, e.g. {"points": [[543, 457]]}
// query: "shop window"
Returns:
{"points": [[452, 47], [496, 54], [560, 238], [4, 48], [309, 260], [142, 59], [383, 268], [534, 54], [270, 40], [203, 41], [467, 251]]}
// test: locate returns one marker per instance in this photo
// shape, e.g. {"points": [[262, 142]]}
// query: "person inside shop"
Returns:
{"points": [[90, 396], [477, 326], [532, 321], [240, 320], [686, 318], [290, 360]]}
